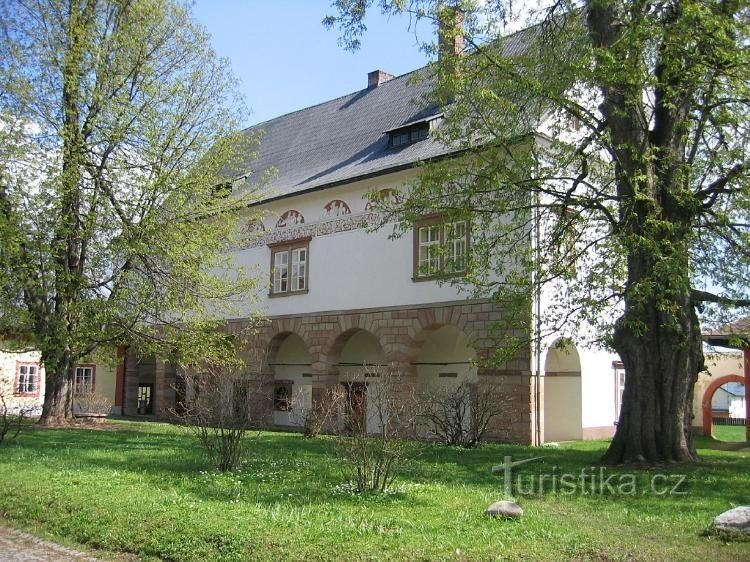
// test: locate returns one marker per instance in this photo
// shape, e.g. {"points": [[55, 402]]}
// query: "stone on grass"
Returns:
{"points": [[734, 522], [504, 509]]}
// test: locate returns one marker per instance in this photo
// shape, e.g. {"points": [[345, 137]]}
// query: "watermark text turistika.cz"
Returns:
{"points": [[590, 480]]}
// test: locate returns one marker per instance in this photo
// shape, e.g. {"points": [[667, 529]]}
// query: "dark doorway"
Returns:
{"points": [[356, 407], [145, 399]]}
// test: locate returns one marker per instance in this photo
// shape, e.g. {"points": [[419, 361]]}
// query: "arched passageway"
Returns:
{"points": [[359, 360], [562, 403], [708, 401], [290, 364]]}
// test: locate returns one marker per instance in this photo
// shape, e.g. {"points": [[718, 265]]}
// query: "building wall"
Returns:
{"points": [[350, 266], [8, 373], [104, 380]]}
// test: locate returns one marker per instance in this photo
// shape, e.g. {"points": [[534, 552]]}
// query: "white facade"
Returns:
{"points": [[354, 268]]}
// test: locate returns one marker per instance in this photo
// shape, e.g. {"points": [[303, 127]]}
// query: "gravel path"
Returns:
{"points": [[16, 546]]}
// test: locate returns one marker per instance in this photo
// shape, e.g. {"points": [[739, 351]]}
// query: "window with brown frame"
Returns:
{"points": [[27, 379], [289, 267], [440, 248], [84, 378]]}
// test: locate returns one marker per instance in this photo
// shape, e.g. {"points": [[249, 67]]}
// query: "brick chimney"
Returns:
{"points": [[450, 31], [376, 78]]}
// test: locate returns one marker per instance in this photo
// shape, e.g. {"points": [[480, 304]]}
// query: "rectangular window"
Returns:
{"points": [[409, 134], [441, 248], [299, 267], [289, 269], [456, 240], [27, 379], [429, 250], [84, 378], [280, 272]]}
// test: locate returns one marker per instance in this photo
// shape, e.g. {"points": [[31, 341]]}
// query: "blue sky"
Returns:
{"points": [[287, 60]]}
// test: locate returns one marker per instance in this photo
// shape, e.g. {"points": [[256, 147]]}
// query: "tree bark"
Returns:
{"points": [[58, 405], [661, 350]]}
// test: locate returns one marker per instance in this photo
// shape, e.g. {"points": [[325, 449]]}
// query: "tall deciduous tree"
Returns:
{"points": [[604, 157], [116, 122]]}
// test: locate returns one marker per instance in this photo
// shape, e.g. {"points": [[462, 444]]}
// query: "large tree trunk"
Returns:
{"points": [[58, 406], [662, 355], [58, 403]]}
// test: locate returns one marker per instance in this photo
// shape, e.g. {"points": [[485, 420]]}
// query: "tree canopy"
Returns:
{"points": [[605, 165], [117, 123]]}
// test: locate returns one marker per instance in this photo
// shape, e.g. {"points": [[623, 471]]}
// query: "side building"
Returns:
{"points": [[22, 380]]}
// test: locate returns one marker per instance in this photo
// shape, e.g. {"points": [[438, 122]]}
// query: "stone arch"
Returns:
{"points": [[357, 362], [562, 400], [708, 397], [355, 347], [289, 376], [429, 321], [446, 351]]}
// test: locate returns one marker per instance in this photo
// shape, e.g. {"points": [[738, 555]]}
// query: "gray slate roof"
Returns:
{"points": [[344, 139]]}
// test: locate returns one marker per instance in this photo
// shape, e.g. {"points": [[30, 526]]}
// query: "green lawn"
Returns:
{"points": [[728, 432], [143, 488]]}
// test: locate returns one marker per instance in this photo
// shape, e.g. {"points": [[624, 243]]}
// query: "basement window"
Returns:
{"points": [[282, 396]]}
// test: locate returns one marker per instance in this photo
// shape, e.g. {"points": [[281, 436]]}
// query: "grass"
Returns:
{"points": [[144, 489], [729, 432]]}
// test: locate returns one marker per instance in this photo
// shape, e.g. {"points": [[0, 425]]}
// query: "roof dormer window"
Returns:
{"points": [[408, 135], [411, 132]]}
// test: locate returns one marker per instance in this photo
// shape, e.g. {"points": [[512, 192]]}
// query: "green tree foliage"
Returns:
{"points": [[605, 168], [116, 123]]}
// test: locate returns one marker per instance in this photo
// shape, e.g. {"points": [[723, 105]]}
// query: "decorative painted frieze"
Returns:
{"points": [[290, 218], [320, 228], [336, 208]]}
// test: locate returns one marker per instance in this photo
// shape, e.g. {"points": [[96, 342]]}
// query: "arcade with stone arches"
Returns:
{"points": [[302, 356]]}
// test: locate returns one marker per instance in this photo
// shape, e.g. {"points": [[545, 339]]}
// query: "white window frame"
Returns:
{"points": [[438, 251], [79, 382], [27, 379]]}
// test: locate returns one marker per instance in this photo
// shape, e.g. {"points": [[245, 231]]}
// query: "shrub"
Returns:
{"points": [[11, 419], [322, 414], [460, 414], [371, 444], [218, 411], [87, 401]]}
